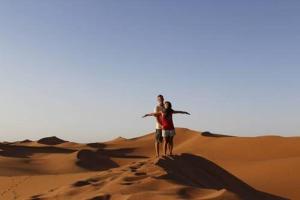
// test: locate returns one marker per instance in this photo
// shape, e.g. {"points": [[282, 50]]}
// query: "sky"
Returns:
{"points": [[88, 70]]}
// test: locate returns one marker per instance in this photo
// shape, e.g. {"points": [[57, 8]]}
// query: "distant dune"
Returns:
{"points": [[51, 140], [26, 141], [206, 166]]}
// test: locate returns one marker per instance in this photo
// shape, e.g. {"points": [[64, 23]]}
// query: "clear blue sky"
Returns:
{"points": [[88, 70]]}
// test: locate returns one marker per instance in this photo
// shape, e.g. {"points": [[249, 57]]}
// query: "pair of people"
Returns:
{"points": [[165, 130]]}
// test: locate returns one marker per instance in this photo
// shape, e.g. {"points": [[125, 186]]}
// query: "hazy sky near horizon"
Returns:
{"points": [[88, 70]]}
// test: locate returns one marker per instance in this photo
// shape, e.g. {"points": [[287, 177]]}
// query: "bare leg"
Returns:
{"points": [[166, 142], [157, 149], [171, 145]]}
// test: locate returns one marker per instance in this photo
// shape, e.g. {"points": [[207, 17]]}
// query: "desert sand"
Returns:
{"points": [[205, 166]]}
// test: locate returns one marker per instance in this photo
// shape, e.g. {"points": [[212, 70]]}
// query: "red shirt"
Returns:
{"points": [[167, 122]]}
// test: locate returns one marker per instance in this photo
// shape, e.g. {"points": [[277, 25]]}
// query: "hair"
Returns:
{"points": [[168, 111], [160, 96]]}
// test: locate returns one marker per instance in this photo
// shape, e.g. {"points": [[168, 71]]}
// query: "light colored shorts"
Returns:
{"points": [[168, 133]]}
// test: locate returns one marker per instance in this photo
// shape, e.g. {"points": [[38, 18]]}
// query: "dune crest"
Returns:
{"points": [[206, 166], [184, 176]]}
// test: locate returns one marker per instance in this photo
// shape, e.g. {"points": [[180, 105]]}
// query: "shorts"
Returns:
{"points": [[168, 133], [158, 136]]}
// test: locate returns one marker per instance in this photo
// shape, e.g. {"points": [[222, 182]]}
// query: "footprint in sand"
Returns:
{"points": [[132, 169], [137, 175], [140, 173], [89, 181], [81, 183], [127, 183], [36, 197], [101, 197], [134, 178], [14, 186]]}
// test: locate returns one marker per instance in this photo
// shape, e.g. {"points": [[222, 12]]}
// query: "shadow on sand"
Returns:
{"points": [[209, 134], [53, 140], [10, 150], [196, 171], [100, 159]]}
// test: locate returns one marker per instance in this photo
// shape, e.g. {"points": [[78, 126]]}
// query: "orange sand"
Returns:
{"points": [[205, 166]]}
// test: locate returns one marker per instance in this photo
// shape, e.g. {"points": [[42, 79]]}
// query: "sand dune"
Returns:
{"points": [[206, 166], [51, 141]]}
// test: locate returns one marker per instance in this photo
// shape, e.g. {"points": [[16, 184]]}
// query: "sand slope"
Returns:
{"points": [[206, 166]]}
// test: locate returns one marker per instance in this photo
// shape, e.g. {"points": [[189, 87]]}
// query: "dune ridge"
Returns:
{"points": [[184, 176], [206, 166]]}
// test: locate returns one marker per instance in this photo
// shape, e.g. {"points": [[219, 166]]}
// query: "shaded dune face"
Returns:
{"points": [[51, 141], [96, 145], [206, 166], [197, 171], [102, 158], [184, 176], [26, 141], [209, 134], [91, 160], [17, 151]]}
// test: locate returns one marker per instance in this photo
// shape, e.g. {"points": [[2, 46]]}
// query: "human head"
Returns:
{"points": [[160, 99], [168, 105]]}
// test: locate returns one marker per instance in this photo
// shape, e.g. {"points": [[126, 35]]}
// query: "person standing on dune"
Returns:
{"points": [[166, 120], [158, 126]]}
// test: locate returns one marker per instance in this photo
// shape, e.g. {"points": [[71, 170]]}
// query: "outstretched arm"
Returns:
{"points": [[151, 114], [181, 112]]}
